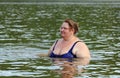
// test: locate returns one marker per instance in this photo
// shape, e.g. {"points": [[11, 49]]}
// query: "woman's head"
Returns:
{"points": [[68, 28], [73, 25]]}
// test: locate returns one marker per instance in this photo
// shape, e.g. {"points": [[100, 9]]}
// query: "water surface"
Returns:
{"points": [[30, 29]]}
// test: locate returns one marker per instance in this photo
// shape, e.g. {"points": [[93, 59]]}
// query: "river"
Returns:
{"points": [[28, 29]]}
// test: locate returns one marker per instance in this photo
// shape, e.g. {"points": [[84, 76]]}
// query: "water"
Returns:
{"points": [[27, 30]]}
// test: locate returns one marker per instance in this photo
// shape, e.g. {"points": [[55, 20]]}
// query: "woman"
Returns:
{"points": [[69, 46]]}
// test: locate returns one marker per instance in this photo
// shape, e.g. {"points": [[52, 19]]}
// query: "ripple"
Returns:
{"points": [[2, 27], [46, 67], [18, 73], [30, 29]]}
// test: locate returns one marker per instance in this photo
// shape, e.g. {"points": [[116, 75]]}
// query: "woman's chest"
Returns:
{"points": [[62, 49]]}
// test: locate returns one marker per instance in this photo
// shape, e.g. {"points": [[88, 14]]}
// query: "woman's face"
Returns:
{"points": [[65, 30]]}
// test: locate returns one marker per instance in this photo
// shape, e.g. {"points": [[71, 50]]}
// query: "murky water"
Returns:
{"points": [[29, 29]]}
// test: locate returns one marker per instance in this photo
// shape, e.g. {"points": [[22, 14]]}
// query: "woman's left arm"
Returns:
{"points": [[81, 51]]}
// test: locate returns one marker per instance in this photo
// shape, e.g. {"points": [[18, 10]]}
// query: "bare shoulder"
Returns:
{"points": [[82, 50], [81, 44], [54, 43]]}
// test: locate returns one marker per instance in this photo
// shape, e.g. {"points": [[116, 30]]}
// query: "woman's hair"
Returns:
{"points": [[72, 25]]}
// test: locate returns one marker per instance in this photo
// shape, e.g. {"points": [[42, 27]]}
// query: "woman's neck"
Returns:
{"points": [[69, 38]]}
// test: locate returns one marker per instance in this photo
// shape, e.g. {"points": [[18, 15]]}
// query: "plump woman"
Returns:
{"points": [[69, 46]]}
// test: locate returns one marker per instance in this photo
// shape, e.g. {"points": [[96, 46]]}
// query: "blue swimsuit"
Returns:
{"points": [[69, 54]]}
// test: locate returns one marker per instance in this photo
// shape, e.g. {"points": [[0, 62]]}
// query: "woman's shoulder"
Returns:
{"points": [[58, 40], [81, 43], [78, 41], [82, 49]]}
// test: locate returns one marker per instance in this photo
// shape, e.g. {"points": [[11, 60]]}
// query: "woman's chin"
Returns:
{"points": [[62, 36]]}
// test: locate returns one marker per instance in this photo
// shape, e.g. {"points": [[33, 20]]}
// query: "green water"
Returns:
{"points": [[29, 29]]}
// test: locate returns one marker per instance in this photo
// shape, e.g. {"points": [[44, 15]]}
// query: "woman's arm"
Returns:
{"points": [[81, 51], [46, 54]]}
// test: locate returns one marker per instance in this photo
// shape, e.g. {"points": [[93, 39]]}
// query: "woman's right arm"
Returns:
{"points": [[47, 54], [50, 50]]}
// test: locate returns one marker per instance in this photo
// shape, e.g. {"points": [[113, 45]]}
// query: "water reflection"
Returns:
{"points": [[70, 67]]}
